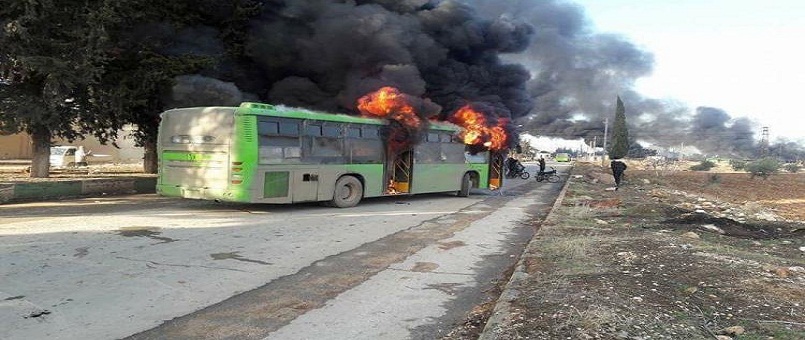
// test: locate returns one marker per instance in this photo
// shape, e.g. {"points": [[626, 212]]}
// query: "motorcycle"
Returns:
{"points": [[514, 173]]}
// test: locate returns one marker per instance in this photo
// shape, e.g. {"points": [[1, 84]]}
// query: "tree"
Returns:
{"points": [[620, 134], [142, 68], [763, 167], [705, 165], [51, 54]]}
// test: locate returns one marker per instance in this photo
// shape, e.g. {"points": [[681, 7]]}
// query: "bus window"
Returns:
{"points": [[430, 152], [313, 130], [278, 149], [289, 128], [453, 153], [363, 151], [268, 128], [354, 132], [332, 131], [279, 127], [292, 153], [433, 137], [270, 155], [480, 157], [370, 132], [445, 138]]}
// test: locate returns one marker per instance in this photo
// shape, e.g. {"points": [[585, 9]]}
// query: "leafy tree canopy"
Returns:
{"points": [[51, 54]]}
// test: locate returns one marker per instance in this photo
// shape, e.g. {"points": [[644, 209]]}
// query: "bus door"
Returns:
{"points": [[495, 170], [399, 172]]}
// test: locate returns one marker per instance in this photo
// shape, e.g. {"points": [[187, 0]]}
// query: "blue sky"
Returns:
{"points": [[745, 57]]}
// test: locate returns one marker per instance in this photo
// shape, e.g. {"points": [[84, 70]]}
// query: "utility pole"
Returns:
{"points": [[606, 132], [764, 142]]}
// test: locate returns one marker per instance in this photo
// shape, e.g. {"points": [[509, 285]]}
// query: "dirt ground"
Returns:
{"points": [[671, 255]]}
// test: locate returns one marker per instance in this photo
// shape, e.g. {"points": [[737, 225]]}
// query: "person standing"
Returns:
{"points": [[79, 156], [541, 164], [618, 167]]}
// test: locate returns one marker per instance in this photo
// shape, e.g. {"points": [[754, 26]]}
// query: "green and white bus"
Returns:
{"points": [[260, 153]]}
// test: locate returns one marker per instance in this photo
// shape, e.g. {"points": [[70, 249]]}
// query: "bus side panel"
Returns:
{"points": [[437, 177], [291, 184], [273, 185], [439, 166]]}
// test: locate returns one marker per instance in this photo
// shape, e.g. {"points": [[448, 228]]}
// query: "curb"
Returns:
{"points": [[54, 190], [501, 314]]}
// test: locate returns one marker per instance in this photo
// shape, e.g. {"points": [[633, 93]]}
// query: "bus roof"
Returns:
{"points": [[259, 109]]}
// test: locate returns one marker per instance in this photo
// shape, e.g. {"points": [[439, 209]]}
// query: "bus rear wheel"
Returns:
{"points": [[348, 192], [466, 184]]}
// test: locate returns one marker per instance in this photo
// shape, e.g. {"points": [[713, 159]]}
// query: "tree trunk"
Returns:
{"points": [[150, 157], [40, 165]]}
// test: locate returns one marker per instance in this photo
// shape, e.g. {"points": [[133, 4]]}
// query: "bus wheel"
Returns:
{"points": [[466, 184], [348, 192]]}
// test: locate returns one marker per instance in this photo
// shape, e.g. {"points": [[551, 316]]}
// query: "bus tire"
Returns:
{"points": [[466, 185], [348, 192]]}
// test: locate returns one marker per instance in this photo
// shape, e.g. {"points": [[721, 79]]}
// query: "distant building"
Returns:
{"points": [[18, 146]]}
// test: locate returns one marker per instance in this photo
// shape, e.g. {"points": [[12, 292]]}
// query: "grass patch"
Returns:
{"points": [[763, 330], [576, 255]]}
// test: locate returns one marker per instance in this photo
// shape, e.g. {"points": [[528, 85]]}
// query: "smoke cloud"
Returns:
{"points": [[577, 74], [535, 62]]}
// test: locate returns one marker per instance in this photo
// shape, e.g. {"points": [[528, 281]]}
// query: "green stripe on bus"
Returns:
{"points": [[185, 156]]}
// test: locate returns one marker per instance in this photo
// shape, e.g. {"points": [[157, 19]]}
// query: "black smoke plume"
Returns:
{"points": [[537, 59], [577, 74], [326, 54]]}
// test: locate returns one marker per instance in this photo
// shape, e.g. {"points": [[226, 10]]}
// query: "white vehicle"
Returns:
{"points": [[62, 156]]}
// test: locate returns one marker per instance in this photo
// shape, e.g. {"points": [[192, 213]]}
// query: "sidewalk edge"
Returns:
{"points": [[501, 314]]}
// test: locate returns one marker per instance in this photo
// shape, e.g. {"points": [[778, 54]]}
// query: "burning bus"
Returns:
{"points": [[260, 153]]}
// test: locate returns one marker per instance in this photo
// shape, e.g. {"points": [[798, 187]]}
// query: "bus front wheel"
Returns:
{"points": [[348, 192], [466, 184]]}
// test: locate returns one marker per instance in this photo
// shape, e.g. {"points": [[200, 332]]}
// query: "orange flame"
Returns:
{"points": [[391, 189], [477, 130], [389, 102]]}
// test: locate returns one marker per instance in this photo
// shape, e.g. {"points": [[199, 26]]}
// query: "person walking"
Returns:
{"points": [[618, 167]]}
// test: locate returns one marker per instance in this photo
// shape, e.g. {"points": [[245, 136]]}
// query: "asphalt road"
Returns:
{"points": [[147, 267]]}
